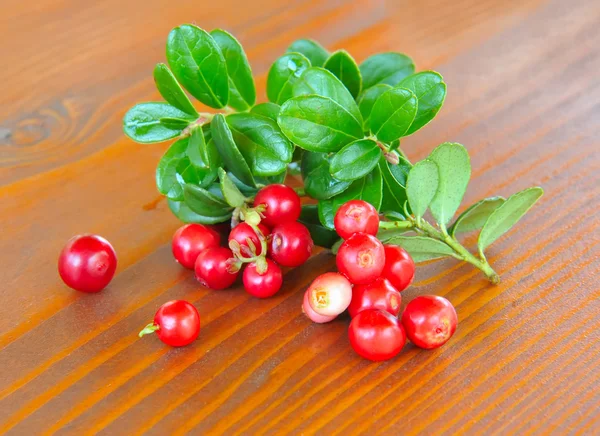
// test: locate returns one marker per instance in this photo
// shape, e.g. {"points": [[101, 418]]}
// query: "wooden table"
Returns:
{"points": [[524, 93]]}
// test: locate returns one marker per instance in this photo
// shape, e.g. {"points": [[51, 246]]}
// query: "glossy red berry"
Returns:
{"points": [[290, 244], [262, 285], [243, 231], [282, 204], [176, 323], [311, 314], [399, 267], [379, 294], [87, 263], [330, 294], [356, 216], [376, 335], [429, 321], [190, 240], [361, 258], [212, 268]]}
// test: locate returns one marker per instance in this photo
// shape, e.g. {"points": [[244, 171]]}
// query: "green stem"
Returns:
{"points": [[403, 225], [149, 329]]}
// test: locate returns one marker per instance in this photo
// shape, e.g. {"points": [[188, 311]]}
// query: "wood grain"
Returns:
{"points": [[523, 98]]}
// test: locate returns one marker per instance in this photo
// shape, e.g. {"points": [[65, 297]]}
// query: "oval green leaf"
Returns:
{"points": [[430, 89], [321, 236], [284, 73], [344, 67], [355, 160], [388, 68], [242, 92], [204, 202], [318, 182], [421, 186], [314, 52], [422, 248], [394, 185], [143, 122], [231, 193], [232, 158], [171, 90], [367, 100], [454, 168], [175, 123], [187, 215], [261, 142], [476, 215], [392, 114], [507, 215], [318, 123], [268, 109], [198, 64]]}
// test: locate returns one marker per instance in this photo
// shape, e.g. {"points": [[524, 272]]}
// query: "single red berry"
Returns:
{"points": [[329, 294], [311, 314], [361, 258], [376, 335], [244, 231], [177, 323], [379, 294], [190, 240], [87, 263], [356, 216], [212, 268], [399, 267], [430, 321], [262, 285], [282, 204], [290, 244]]}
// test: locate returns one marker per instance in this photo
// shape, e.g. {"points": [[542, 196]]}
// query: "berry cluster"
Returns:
{"points": [[370, 279]]}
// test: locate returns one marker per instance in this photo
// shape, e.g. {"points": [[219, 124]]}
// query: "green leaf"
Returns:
{"points": [[242, 93], [368, 189], [386, 235], [197, 150], [421, 186], [318, 181], [314, 52], [355, 160], [318, 123], [430, 89], [476, 215], [261, 142], [388, 68], [231, 193], [344, 67], [507, 215], [322, 82], [247, 191], [393, 113], [175, 169], [142, 123], [268, 109], [454, 167], [185, 214], [367, 100], [169, 88], [204, 202], [284, 73], [321, 236], [232, 158], [175, 123], [422, 248], [394, 185]]}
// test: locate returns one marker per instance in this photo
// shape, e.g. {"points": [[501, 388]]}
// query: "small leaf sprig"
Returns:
{"points": [[336, 123]]}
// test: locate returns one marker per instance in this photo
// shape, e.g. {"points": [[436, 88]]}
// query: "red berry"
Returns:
{"points": [[244, 231], [87, 263], [262, 285], [399, 267], [356, 216], [329, 294], [311, 314], [290, 244], [282, 204], [430, 321], [376, 335], [212, 268], [379, 294], [361, 258], [190, 240], [177, 323]]}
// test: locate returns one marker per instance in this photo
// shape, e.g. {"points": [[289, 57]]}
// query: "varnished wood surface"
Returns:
{"points": [[524, 97]]}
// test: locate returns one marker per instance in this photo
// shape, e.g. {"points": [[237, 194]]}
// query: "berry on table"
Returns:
{"points": [[330, 294], [244, 231], [176, 323], [376, 335], [361, 258], [213, 268], [190, 240], [399, 267], [429, 321], [311, 314], [290, 244], [379, 294], [262, 284]]}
